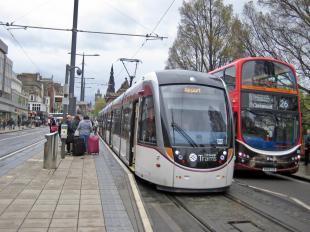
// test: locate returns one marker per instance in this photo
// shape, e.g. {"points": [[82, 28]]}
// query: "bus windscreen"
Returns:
{"points": [[264, 73]]}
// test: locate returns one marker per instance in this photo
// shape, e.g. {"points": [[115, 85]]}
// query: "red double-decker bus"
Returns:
{"points": [[265, 101]]}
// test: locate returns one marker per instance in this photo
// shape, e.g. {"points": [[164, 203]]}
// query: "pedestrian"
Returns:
{"points": [[75, 122], [307, 147], [52, 123], [70, 132], [18, 122], [4, 124], [85, 128]]}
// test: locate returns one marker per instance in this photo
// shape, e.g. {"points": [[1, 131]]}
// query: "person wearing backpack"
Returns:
{"points": [[85, 127]]}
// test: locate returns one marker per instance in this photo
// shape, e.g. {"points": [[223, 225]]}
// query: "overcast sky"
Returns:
{"points": [[46, 51]]}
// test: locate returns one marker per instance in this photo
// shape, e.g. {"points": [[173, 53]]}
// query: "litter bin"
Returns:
{"points": [[50, 151]]}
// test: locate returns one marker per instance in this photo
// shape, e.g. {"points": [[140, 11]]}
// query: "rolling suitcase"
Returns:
{"points": [[78, 147], [93, 144]]}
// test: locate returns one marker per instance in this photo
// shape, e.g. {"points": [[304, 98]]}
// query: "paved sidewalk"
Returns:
{"points": [[68, 199], [303, 171]]}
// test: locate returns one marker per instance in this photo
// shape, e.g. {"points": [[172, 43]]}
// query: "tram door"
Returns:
{"points": [[110, 128], [133, 132]]}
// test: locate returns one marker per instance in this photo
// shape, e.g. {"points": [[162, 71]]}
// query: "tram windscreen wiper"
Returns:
{"points": [[184, 134]]}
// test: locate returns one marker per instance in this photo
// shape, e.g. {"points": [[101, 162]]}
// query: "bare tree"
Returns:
{"points": [[206, 36], [282, 31]]}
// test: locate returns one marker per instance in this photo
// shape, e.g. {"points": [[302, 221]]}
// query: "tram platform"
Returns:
{"points": [[85, 193]]}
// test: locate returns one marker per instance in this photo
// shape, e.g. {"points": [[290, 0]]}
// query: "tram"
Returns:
{"points": [[266, 105], [174, 128]]}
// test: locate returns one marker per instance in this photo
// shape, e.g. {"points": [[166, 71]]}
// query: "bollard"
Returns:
{"points": [[50, 151]]}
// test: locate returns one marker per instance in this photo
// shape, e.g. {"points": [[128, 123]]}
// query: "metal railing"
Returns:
{"points": [[50, 160]]}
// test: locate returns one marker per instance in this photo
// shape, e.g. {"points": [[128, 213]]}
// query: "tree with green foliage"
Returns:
{"points": [[206, 37], [99, 105]]}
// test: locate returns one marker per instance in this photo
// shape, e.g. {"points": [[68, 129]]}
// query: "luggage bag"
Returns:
{"points": [[78, 147], [93, 144]]}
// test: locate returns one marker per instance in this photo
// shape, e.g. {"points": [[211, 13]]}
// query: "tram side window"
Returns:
{"points": [[126, 121], [108, 122], [230, 78], [116, 121], [147, 133]]}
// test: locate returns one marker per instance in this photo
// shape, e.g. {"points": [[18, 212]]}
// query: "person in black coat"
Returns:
{"points": [[70, 132], [307, 146]]}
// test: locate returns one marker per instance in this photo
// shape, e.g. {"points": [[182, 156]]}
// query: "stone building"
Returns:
{"points": [[98, 95], [13, 101], [33, 85]]}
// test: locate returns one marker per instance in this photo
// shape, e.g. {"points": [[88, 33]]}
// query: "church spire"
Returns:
{"points": [[111, 87]]}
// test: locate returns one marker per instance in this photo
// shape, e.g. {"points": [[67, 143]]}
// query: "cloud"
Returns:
{"points": [[48, 49]]}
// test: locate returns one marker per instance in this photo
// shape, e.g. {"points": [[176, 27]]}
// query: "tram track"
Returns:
{"points": [[219, 211], [178, 201], [15, 143], [179, 204], [21, 149], [261, 213]]}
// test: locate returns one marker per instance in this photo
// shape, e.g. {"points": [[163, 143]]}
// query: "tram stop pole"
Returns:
{"points": [[63, 136]]}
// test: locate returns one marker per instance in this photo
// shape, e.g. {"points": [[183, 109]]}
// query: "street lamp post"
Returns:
{"points": [[67, 92], [82, 93]]}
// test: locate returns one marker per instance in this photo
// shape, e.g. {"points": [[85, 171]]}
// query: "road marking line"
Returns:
{"points": [[299, 202], [20, 150], [145, 220], [268, 191], [20, 136]]}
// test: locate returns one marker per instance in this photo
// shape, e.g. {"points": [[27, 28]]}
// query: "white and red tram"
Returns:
{"points": [[174, 128]]}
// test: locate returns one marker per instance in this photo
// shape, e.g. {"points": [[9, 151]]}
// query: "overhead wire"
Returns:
{"points": [[22, 49], [128, 16], [83, 31], [145, 41], [33, 9]]}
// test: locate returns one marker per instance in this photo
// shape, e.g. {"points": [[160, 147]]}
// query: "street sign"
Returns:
{"points": [[65, 101], [64, 131]]}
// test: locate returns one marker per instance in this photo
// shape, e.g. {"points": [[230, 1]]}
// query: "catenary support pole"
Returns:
{"points": [[82, 81], [72, 99]]}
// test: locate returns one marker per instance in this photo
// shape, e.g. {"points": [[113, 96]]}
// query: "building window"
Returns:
{"points": [[31, 97], [36, 107]]}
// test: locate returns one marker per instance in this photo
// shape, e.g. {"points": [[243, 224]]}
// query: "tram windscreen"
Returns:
{"points": [[269, 74], [196, 115], [269, 130]]}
